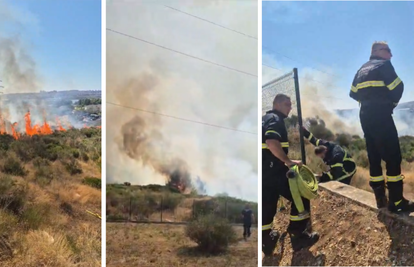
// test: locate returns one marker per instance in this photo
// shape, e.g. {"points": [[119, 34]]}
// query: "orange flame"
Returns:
{"points": [[16, 135], [37, 129]]}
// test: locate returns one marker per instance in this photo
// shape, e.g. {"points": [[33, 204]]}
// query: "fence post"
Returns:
{"points": [[302, 142], [161, 208], [130, 207], [193, 209], [225, 214]]}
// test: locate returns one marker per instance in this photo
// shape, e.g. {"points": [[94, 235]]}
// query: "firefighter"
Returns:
{"points": [[342, 167], [275, 165], [378, 89]]}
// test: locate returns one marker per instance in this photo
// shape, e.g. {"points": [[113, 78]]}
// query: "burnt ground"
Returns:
{"points": [[350, 235]]}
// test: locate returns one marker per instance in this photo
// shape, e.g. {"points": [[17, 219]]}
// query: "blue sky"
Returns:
{"points": [[336, 37], [62, 37]]}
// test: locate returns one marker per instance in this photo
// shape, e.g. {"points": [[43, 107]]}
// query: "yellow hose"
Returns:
{"points": [[302, 183]]}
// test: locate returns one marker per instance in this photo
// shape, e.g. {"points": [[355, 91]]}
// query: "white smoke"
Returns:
{"points": [[147, 77]]}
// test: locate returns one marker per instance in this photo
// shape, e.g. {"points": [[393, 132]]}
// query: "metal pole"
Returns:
{"points": [[302, 141], [130, 207], [161, 208]]}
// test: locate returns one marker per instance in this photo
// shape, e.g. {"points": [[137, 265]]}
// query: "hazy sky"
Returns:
{"points": [[336, 37], [61, 40]]}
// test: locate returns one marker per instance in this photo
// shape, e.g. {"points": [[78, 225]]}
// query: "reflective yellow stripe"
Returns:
{"points": [[266, 227], [337, 165], [394, 178], [299, 217], [398, 202], [346, 175], [370, 84], [317, 142], [271, 131], [310, 136], [330, 175], [376, 178], [285, 144], [354, 89], [394, 84]]}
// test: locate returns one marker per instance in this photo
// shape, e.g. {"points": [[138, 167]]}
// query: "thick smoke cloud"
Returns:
{"points": [[148, 78]]}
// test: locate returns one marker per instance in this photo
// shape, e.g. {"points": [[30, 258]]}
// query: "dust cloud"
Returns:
{"points": [[143, 147]]}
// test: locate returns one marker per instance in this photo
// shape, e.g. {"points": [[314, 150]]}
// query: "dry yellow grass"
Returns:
{"points": [[166, 245], [52, 234]]}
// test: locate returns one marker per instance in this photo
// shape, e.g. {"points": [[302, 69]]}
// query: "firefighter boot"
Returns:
{"points": [[303, 240], [397, 202], [379, 192], [269, 240]]}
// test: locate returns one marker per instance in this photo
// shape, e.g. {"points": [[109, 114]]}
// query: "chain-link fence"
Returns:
{"points": [[172, 208], [287, 84]]}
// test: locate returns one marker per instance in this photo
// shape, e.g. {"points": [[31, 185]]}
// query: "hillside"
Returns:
{"points": [[351, 235], [167, 204], [49, 193]]}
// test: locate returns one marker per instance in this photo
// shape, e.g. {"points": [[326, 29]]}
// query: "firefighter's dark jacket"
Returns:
{"points": [[340, 162], [274, 128], [376, 85]]}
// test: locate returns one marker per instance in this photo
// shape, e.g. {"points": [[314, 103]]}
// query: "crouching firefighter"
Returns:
{"points": [[342, 167], [275, 166]]}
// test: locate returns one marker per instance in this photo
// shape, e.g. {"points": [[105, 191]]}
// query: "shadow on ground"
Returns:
{"points": [[301, 258], [401, 252]]}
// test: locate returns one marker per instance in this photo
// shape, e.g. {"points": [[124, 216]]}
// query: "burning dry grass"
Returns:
{"points": [[43, 211], [167, 245]]}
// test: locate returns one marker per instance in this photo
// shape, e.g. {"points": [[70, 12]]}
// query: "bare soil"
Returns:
{"points": [[349, 235], [131, 244]]}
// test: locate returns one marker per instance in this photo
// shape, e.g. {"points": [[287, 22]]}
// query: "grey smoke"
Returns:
{"points": [[149, 78]]}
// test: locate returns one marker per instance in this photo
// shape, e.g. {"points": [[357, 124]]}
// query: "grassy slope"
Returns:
{"points": [[43, 200]]}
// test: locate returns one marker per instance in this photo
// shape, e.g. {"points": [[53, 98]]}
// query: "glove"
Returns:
{"points": [[306, 133]]}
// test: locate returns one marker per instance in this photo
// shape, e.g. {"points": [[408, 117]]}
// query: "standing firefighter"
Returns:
{"points": [[276, 163], [378, 89], [248, 216], [342, 167]]}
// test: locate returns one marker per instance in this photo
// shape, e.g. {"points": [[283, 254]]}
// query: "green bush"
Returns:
{"points": [[13, 166], [13, 196], [34, 215], [73, 167], [170, 201], [212, 234], [205, 207], [93, 182]]}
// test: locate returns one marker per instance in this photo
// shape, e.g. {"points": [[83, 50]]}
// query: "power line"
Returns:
{"points": [[211, 22], [183, 119], [184, 54], [309, 79], [300, 62]]}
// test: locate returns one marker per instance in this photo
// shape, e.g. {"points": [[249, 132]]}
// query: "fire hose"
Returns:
{"points": [[302, 183]]}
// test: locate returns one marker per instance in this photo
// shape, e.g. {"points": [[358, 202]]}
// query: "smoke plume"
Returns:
{"points": [[143, 147]]}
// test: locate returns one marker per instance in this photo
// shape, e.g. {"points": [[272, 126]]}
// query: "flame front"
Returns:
{"points": [[30, 130]]}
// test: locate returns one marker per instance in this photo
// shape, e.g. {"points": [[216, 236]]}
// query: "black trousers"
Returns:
{"points": [[276, 184], [382, 143], [246, 231]]}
